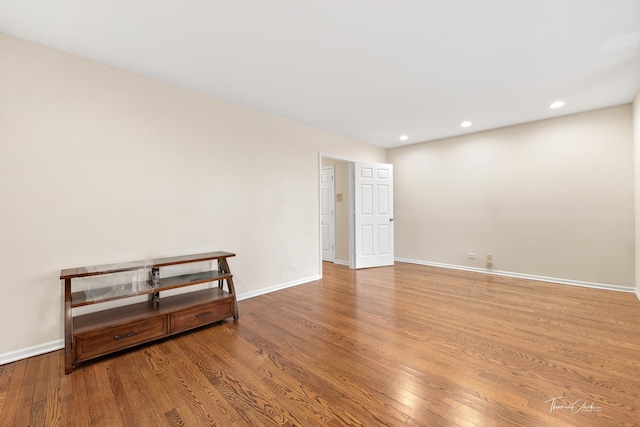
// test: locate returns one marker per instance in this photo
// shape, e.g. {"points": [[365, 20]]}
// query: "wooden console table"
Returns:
{"points": [[102, 332]]}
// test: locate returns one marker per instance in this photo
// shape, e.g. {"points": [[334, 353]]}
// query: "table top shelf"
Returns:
{"points": [[96, 270]]}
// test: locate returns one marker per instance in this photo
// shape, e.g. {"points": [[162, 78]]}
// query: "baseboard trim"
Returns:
{"points": [[36, 350], [557, 280], [637, 292], [341, 262], [259, 292]]}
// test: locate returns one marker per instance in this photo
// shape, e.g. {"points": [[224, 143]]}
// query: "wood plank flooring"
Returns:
{"points": [[403, 345]]}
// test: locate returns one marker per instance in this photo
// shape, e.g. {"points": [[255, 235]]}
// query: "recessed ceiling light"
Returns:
{"points": [[404, 138], [557, 104], [465, 124]]}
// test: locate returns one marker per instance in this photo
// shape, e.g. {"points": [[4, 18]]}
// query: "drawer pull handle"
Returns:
{"points": [[130, 334], [206, 313]]}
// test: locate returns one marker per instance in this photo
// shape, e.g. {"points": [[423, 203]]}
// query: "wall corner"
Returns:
{"points": [[636, 173]]}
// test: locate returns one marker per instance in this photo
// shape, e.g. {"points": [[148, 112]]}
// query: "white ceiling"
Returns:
{"points": [[368, 69]]}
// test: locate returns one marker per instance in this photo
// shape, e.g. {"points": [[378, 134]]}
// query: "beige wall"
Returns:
{"points": [[98, 165], [552, 198], [341, 179], [636, 145]]}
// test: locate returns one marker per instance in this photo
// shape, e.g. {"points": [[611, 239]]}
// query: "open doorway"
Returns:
{"points": [[339, 236], [362, 219]]}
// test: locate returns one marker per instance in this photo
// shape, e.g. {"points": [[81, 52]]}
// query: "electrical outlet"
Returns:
{"points": [[293, 267], [471, 255], [489, 261]]}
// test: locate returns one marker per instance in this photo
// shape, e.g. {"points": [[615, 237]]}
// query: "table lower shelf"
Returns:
{"points": [[103, 332], [127, 290]]}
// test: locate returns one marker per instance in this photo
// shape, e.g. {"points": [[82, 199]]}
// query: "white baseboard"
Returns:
{"points": [[604, 286], [259, 292], [637, 291], [341, 262], [36, 350]]}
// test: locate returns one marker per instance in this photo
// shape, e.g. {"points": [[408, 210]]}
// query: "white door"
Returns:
{"points": [[327, 197], [373, 214]]}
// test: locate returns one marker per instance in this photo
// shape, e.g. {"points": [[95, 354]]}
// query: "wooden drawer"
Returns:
{"points": [[102, 341], [200, 315]]}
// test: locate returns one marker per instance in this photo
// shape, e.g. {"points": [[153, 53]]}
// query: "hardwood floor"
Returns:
{"points": [[403, 345]]}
